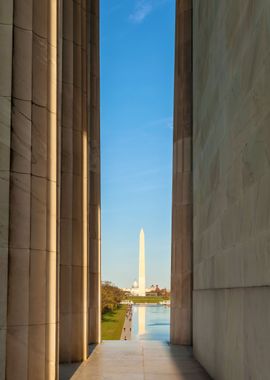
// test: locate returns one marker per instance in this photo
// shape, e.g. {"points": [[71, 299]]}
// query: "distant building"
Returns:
{"points": [[135, 291]]}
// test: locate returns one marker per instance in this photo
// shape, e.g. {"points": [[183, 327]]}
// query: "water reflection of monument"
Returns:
{"points": [[141, 265], [141, 320], [151, 322]]}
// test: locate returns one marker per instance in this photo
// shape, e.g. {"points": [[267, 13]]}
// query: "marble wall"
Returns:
{"points": [[47, 131], [231, 182]]}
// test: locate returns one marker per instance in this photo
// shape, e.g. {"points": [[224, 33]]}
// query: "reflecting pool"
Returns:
{"points": [[151, 322]]}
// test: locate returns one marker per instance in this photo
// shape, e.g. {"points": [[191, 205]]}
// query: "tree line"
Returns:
{"points": [[111, 296]]}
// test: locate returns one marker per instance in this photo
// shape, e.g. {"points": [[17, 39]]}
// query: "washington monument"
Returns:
{"points": [[141, 265]]}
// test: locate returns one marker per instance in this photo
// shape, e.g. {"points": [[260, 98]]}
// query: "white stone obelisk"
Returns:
{"points": [[141, 266]]}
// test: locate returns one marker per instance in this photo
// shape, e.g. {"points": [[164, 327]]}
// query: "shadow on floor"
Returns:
{"points": [[67, 370], [187, 366]]}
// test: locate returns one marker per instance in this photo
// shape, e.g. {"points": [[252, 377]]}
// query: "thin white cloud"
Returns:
{"points": [[166, 122], [142, 9], [169, 123]]}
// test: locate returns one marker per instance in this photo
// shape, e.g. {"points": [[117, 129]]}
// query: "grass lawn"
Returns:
{"points": [[112, 323], [146, 299]]}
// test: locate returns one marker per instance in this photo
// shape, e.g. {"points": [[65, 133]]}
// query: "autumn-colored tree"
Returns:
{"points": [[111, 296]]}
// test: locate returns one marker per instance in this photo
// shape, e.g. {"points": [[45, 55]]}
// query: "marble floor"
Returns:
{"points": [[140, 360]]}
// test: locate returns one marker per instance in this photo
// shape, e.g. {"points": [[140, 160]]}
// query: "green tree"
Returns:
{"points": [[111, 296]]}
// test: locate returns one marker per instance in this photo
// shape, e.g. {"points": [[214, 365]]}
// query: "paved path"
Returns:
{"points": [[140, 360], [127, 328]]}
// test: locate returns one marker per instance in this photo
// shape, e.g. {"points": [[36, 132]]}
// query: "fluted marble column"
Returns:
{"points": [[94, 176], [6, 36], [181, 271], [49, 155], [74, 185], [29, 151]]}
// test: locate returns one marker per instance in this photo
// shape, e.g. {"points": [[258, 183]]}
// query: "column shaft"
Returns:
{"points": [[30, 320], [181, 270], [94, 176], [6, 37], [49, 165], [74, 186]]}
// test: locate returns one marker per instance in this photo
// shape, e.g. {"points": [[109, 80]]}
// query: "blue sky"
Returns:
{"points": [[137, 64]]}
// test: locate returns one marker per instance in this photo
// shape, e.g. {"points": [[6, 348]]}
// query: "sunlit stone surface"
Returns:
{"points": [[49, 71], [28, 168]]}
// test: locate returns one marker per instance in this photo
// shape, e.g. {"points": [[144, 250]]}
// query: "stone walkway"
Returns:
{"points": [[127, 328], [140, 360]]}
